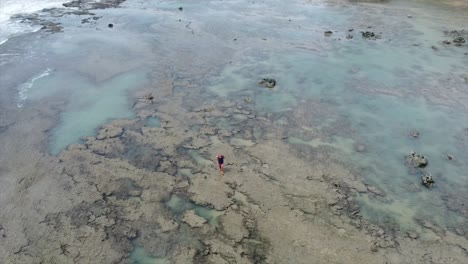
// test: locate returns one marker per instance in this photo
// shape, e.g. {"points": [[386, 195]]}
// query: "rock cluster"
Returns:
{"points": [[458, 41], [91, 4], [457, 35], [370, 35], [267, 83]]}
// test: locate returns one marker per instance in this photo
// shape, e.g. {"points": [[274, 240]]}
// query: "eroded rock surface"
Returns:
{"points": [[276, 203], [192, 219]]}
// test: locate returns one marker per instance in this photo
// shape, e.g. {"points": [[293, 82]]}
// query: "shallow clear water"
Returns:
{"points": [[153, 122], [179, 206], [90, 104], [382, 122], [380, 91], [140, 256]]}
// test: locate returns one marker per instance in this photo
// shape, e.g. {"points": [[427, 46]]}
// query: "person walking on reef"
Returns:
{"points": [[220, 159]]}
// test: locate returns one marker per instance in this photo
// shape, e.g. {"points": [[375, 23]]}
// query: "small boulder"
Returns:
{"points": [[458, 41], [414, 133], [412, 235], [328, 33], [427, 180], [446, 42], [370, 35], [267, 83], [110, 25], [180, 9], [416, 160]]}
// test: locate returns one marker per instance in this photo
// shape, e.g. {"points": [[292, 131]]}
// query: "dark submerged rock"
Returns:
{"points": [[414, 133], [370, 35], [267, 83], [459, 36], [328, 33], [412, 235], [51, 27], [90, 4], [360, 148], [181, 9], [458, 41]]}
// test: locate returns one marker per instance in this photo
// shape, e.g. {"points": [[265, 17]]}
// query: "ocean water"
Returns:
{"points": [[153, 122], [9, 8]]}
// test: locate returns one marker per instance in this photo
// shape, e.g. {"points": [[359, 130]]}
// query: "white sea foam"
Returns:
{"points": [[23, 89], [9, 8]]}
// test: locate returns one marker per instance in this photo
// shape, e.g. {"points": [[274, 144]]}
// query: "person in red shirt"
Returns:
{"points": [[220, 159]]}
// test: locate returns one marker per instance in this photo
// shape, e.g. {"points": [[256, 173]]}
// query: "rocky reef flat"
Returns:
{"points": [[312, 148]]}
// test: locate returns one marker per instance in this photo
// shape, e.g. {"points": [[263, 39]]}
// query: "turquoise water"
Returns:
{"points": [[140, 256], [153, 122], [348, 91], [179, 206], [375, 93], [382, 122], [89, 103]]}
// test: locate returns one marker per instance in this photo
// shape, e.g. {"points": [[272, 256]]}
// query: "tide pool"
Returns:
{"points": [[179, 206], [89, 104], [140, 256]]}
